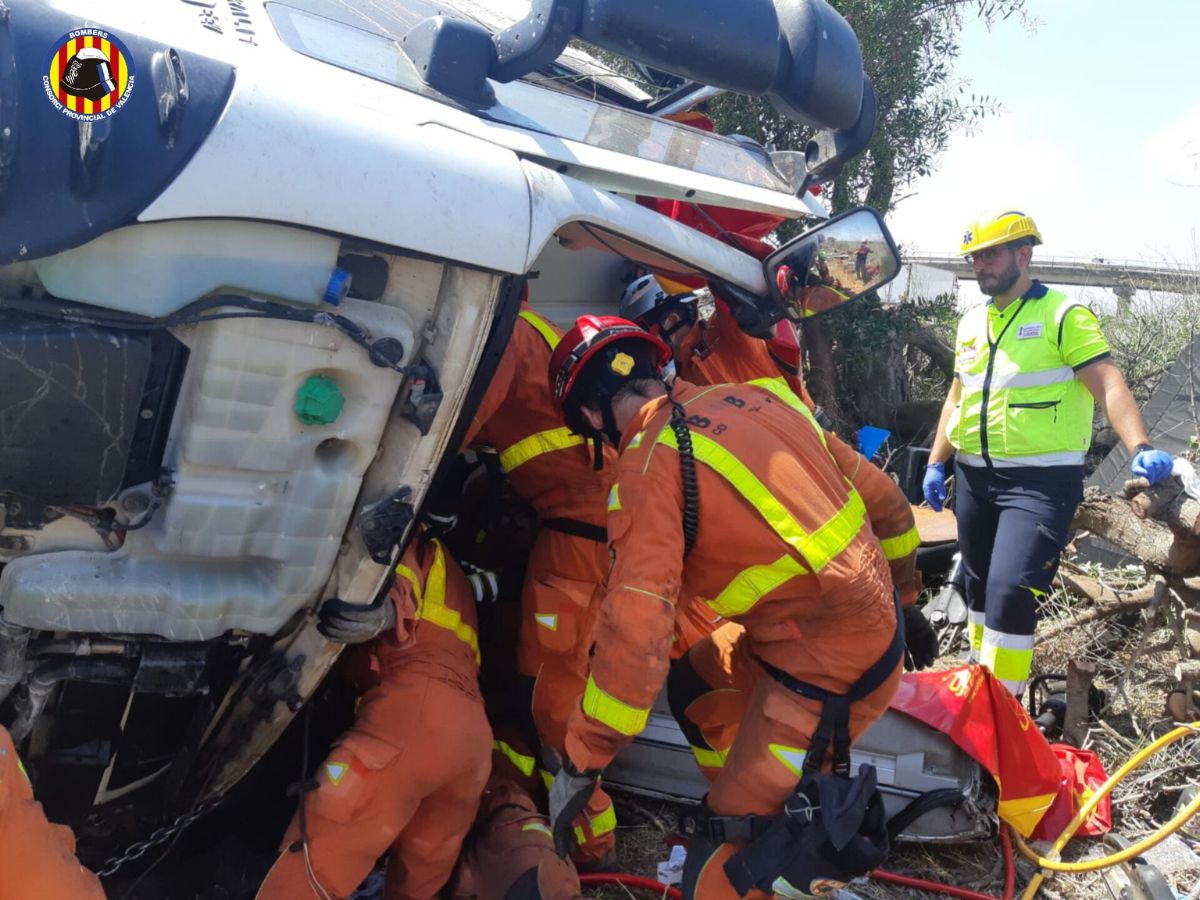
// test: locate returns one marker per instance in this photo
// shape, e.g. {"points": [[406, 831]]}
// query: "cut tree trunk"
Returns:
{"points": [[1150, 541], [1166, 502]]}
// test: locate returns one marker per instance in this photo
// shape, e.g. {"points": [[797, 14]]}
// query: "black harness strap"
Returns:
{"points": [[834, 725], [578, 529]]}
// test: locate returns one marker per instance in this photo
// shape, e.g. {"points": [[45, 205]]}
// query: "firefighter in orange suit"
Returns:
{"points": [[730, 492], [556, 472], [37, 859], [510, 855], [719, 352], [715, 351], [406, 778]]}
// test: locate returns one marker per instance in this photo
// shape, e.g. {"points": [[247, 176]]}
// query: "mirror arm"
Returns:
{"points": [[829, 151]]}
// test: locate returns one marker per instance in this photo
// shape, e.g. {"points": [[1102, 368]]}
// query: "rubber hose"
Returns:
{"points": [[596, 879], [1051, 861]]}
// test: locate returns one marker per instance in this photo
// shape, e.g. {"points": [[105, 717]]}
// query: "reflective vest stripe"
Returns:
{"points": [[781, 389], [818, 548], [544, 441], [1042, 378], [1059, 458], [544, 328], [536, 444], [617, 715], [901, 545], [525, 764], [431, 603], [752, 584]]}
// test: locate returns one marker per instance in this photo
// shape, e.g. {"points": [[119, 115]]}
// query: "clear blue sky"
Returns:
{"points": [[1098, 138]]}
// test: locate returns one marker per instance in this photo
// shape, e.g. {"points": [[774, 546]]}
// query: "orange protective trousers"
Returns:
{"points": [[510, 853], [37, 859], [744, 725], [406, 779]]}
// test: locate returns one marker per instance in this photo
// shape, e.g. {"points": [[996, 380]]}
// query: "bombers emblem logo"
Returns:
{"points": [[88, 75]]}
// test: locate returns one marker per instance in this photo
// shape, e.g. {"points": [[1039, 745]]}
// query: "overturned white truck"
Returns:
{"points": [[257, 263]]}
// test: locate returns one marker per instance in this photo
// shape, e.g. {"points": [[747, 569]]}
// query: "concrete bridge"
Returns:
{"points": [[1122, 276]]}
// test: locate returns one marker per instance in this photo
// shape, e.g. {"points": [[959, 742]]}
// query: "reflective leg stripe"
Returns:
{"points": [[548, 332], [818, 548], [975, 629], [792, 757], [902, 545], [614, 498], [537, 444], [431, 603], [709, 758], [525, 764], [617, 715], [752, 584], [1009, 656]]}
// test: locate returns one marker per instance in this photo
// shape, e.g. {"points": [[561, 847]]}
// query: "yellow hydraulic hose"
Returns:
{"points": [[1052, 863]]}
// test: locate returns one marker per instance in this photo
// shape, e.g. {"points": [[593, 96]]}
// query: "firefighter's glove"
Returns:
{"points": [[934, 485], [1153, 465], [354, 623], [920, 640], [568, 796]]}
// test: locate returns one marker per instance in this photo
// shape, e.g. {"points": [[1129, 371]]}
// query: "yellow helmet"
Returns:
{"points": [[1000, 229]]}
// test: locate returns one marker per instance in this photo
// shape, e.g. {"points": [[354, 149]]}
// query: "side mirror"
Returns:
{"points": [[832, 264]]}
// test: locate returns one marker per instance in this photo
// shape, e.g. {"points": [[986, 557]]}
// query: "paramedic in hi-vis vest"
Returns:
{"points": [[1019, 419]]}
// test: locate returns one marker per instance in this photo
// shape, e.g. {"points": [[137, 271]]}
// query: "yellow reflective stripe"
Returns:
{"points": [[818, 548], [1006, 663], [709, 759], [617, 715], [603, 823], [536, 444], [431, 604], [900, 546], [538, 826], [544, 328], [781, 389], [752, 584], [547, 778], [21, 769], [614, 498], [525, 764]]}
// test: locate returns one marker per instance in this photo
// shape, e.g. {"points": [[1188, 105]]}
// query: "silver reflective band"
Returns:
{"points": [[1019, 379], [1063, 458]]}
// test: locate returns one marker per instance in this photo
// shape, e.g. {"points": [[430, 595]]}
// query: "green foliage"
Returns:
{"points": [[909, 50], [1146, 337]]}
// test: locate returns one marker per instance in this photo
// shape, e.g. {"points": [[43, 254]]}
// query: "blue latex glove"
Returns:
{"points": [[1153, 465], [934, 485]]}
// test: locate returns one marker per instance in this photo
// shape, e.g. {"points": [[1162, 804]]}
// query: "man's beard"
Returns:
{"points": [[999, 284]]}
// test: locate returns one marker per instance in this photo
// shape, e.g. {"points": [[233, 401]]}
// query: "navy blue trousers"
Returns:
{"points": [[1012, 526]]}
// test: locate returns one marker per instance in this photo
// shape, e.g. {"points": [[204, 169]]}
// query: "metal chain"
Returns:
{"points": [[159, 837]]}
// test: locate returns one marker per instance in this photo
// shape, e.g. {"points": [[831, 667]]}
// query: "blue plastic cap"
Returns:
{"points": [[870, 439], [338, 287]]}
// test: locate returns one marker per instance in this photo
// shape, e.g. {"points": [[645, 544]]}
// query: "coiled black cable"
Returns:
{"points": [[687, 475]]}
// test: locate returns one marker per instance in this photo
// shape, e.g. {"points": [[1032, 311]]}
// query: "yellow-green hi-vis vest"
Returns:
{"points": [[1021, 403]]}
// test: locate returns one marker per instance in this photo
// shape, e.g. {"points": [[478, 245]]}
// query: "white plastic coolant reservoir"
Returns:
{"points": [[154, 269], [250, 529]]}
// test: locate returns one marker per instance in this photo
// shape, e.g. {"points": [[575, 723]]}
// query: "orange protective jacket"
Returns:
{"points": [[547, 465], [817, 605], [37, 859], [717, 351]]}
